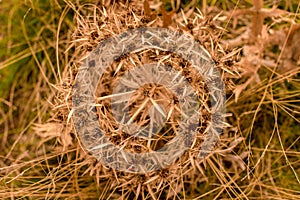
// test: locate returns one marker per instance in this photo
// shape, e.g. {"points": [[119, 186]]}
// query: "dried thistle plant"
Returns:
{"points": [[96, 23]]}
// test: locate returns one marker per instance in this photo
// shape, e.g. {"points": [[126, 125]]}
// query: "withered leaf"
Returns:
{"points": [[147, 11], [257, 4], [167, 17]]}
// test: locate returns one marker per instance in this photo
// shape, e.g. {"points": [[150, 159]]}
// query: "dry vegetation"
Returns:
{"points": [[255, 47]]}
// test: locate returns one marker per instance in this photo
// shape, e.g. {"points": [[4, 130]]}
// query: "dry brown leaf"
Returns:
{"points": [[166, 17], [48, 130], [66, 139], [147, 11], [258, 4], [291, 51], [294, 34], [257, 23], [54, 130], [239, 88]]}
